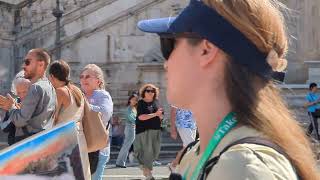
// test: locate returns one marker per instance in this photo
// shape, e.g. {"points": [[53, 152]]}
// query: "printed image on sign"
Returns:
{"points": [[51, 154]]}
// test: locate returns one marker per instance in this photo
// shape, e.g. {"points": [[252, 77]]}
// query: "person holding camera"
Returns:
{"points": [[148, 125], [21, 87]]}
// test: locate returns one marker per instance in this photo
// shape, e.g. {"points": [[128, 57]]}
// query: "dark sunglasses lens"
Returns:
{"points": [[84, 76], [167, 46], [150, 91], [27, 62]]}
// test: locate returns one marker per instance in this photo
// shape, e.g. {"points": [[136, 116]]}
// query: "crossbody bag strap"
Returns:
{"points": [[188, 148]]}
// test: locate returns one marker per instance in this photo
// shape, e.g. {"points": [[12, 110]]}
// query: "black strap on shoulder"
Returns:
{"points": [[188, 148], [259, 141], [107, 127], [248, 140], [176, 176]]}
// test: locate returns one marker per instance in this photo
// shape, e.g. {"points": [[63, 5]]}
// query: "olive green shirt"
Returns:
{"points": [[240, 161]]}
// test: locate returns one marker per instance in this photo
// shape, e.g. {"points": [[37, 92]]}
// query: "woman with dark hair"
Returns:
{"points": [[70, 105], [70, 100], [220, 57], [148, 125], [313, 104], [129, 131]]}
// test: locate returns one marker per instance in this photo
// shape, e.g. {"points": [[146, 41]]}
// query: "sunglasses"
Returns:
{"points": [[27, 62], [150, 91], [167, 42], [85, 76]]}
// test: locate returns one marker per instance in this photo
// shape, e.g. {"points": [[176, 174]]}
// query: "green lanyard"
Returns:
{"points": [[224, 127]]}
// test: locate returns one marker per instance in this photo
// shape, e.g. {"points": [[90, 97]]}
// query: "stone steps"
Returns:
{"points": [[117, 12]]}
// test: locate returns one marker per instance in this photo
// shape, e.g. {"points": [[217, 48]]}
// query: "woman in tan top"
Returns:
{"points": [[70, 100], [221, 55], [70, 105]]}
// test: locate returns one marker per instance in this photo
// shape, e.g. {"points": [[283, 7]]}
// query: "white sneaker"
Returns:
{"points": [[131, 157], [156, 163], [150, 178]]}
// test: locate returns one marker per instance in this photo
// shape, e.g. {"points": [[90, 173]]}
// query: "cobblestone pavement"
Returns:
{"points": [[134, 173]]}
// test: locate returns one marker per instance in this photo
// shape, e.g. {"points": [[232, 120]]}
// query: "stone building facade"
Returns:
{"points": [[304, 30], [104, 32]]}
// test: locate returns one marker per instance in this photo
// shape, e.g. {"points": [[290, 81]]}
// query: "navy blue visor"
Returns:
{"points": [[198, 18]]}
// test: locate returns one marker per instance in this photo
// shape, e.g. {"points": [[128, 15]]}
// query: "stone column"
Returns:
{"points": [[313, 71], [6, 43]]}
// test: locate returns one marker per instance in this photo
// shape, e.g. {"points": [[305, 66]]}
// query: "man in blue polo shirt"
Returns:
{"points": [[313, 104]]}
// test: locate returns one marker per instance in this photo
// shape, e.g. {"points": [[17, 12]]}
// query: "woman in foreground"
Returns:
{"points": [[220, 57]]}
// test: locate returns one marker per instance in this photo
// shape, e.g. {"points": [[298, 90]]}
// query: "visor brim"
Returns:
{"points": [[159, 26]]}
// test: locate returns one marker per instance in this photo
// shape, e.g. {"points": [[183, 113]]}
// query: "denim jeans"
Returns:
{"points": [[102, 163], [313, 125], [129, 135]]}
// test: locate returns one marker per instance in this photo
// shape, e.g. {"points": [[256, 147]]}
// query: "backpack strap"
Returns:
{"points": [[248, 140], [258, 141], [176, 176], [188, 148], [107, 127]]}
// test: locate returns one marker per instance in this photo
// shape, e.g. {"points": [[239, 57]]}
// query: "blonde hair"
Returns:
{"points": [[257, 101], [97, 72], [260, 21]]}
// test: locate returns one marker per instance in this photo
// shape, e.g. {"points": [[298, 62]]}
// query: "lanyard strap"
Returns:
{"points": [[224, 127]]}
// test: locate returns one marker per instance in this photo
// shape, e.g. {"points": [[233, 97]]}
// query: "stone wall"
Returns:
{"points": [[6, 45], [104, 32], [304, 30], [35, 26]]}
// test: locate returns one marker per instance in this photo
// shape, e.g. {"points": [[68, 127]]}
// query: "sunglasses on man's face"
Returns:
{"points": [[27, 62], [167, 42]]}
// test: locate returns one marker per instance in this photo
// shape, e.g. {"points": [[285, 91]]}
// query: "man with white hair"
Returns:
{"points": [[39, 105], [20, 86]]}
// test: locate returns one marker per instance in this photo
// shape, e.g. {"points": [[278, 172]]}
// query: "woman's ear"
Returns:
{"points": [[51, 77], [209, 53], [99, 83]]}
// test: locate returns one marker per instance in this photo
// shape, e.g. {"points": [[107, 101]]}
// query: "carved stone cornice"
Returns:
{"points": [[150, 67]]}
